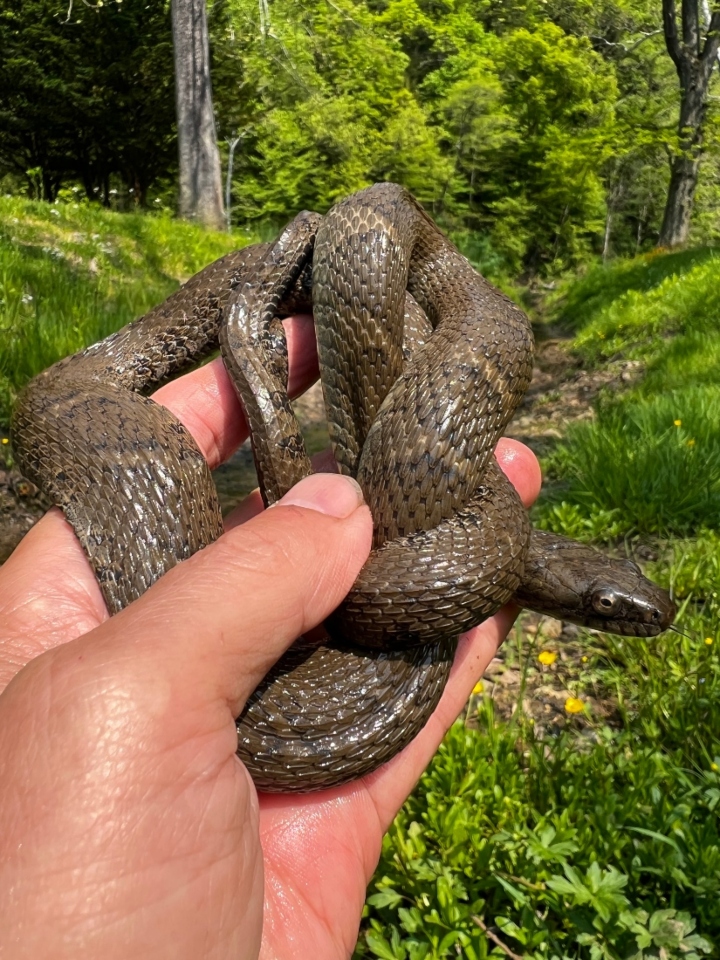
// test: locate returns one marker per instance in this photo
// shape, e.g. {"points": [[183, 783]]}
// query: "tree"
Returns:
{"points": [[86, 99], [200, 176], [694, 58]]}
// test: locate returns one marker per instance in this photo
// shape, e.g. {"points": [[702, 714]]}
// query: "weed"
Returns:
{"points": [[648, 463]]}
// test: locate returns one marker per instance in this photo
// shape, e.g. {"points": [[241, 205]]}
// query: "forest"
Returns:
{"points": [[544, 131], [571, 150]]}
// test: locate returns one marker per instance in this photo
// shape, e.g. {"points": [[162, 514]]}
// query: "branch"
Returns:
{"points": [[70, 6], [633, 46], [712, 40], [496, 940], [670, 28], [691, 26]]}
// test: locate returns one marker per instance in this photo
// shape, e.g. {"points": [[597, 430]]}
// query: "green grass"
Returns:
{"points": [[635, 468], [637, 293], [649, 464], [70, 274]]}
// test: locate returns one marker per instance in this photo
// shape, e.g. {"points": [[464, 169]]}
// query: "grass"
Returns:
{"points": [[649, 462], [70, 274], [595, 839], [600, 840]]}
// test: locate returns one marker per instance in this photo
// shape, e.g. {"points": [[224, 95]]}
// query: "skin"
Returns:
{"points": [[127, 825]]}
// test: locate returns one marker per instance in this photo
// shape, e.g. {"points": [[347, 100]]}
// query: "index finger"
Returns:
{"points": [[206, 404]]}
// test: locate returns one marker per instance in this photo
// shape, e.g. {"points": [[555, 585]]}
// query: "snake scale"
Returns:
{"points": [[422, 364]]}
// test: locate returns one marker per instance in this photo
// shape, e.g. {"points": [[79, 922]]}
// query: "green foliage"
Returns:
{"points": [[86, 95], [71, 274], [563, 848], [649, 462], [644, 472], [543, 126], [641, 301]]}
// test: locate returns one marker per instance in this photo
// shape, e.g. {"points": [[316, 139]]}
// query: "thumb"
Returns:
{"points": [[125, 809], [207, 632], [216, 623]]}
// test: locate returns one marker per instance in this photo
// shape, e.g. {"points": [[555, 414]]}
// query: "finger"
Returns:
{"points": [[521, 467], [206, 403], [323, 462], [48, 594]]}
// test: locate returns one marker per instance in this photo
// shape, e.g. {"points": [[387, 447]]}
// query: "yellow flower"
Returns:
{"points": [[690, 443], [708, 641], [479, 687], [714, 767], [5, 440], [678, 423], [574, 705], [547, 658], [584, 659]]}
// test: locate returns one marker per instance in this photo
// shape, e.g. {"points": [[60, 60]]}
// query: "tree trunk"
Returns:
{"points": [[694, 62], [686, 163], [200, 176]]}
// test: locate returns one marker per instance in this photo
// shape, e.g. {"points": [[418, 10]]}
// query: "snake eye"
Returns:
{"points": [[606, 602]]}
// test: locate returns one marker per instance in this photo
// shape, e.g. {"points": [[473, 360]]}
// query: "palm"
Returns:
{"points": [[320, 850]]}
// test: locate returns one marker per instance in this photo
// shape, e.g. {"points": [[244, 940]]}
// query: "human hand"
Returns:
{"points": [[127, 825]]}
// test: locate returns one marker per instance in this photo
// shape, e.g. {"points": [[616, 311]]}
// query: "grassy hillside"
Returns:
{"points": [[598, 837], [71, 274], [649, 462]]}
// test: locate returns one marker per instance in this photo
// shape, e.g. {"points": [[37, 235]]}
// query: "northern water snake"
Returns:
{"points": [[423, 363]]}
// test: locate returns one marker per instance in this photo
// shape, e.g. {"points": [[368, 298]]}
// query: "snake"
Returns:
{"points": [[423, 363]]}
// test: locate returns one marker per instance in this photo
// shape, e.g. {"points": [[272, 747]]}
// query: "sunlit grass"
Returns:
{"points": [[70, 274], [648, 464]]}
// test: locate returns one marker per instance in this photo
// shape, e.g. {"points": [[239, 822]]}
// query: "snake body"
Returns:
{"points": [[423, 364]]}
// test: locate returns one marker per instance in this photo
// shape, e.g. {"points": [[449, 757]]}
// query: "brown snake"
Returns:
{"points": [[422, 364]]}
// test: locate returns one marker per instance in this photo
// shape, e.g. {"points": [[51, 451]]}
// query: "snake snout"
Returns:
{"points": [[655, 611], [644, 613]]}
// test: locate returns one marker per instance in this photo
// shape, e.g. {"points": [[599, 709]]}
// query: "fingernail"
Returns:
{"points": [[328, 493]]}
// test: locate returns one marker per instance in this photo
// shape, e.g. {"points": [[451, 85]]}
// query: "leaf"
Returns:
{"points": [[660, 837], [385, 898], [381, 948], [517, 895]]}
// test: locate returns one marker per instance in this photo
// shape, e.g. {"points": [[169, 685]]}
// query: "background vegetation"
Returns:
{"points": [[540, 134], [543, 128], [598, 838]]}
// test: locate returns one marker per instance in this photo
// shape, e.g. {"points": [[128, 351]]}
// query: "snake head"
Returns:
{"points": [[621, 600], [571, 581]]}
